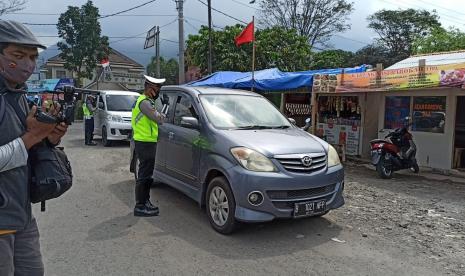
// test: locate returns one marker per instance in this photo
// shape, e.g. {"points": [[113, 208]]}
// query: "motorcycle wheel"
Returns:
{"points": [[383, 172], [415, 168]]}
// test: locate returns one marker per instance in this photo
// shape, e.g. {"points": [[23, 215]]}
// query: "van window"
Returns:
{"points": [[100, 100], [120, 102], [184, 108]]}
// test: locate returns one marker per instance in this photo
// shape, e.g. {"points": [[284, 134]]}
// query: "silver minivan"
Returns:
{"points": [[235, 153], [112, 119]]}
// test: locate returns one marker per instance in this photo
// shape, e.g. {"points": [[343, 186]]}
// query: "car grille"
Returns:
{"points": [[125, 131], [294, 163], [301, 194], [127, 119]]}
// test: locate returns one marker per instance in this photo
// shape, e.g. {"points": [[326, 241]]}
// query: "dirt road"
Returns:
{"points": [[405, 226]]}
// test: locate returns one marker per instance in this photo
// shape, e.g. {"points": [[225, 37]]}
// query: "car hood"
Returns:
{"points": [[275, 141]]}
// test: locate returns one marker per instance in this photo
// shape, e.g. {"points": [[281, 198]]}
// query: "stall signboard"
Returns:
{"points": [[450, 75], [341, 135]]}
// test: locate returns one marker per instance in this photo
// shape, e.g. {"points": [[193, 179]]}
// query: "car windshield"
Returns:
{"points": [[120, 102], [242, 112]]}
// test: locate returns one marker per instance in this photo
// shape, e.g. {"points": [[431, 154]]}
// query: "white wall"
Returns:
{"points": [[435, 150]]}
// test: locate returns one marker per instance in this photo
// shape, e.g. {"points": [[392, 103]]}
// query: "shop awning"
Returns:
{"points": [[269, 79]]}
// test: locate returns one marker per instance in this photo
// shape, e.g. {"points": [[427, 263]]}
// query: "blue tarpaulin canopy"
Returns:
{"points": [[269, 79], [47, 85]]}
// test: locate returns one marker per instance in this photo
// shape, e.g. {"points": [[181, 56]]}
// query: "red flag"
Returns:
{"points": [[246, 36], [105, 62]]}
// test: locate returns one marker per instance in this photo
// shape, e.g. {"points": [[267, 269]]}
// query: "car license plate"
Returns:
{"points": [[305, 209]]}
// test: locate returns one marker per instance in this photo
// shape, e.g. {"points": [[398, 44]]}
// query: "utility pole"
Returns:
{"points": [[179, 7], [157, 51], [209, 37]]}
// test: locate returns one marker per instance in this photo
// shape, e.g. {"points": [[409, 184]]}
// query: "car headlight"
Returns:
{"points": [[253, 160], [115, 118], [333, 157]]}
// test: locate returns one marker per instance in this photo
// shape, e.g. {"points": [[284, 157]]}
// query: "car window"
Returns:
{"points": [[171, 98], [184, 108], [100, 100]]}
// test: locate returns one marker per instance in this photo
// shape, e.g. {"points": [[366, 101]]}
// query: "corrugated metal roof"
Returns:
{"points": [[431, 59]]}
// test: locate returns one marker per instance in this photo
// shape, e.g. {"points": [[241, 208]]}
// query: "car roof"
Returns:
{"points": [[118, 92], [206, 90]]}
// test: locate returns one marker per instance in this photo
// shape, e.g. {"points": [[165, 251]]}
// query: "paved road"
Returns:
{"points": [[91, 230]]}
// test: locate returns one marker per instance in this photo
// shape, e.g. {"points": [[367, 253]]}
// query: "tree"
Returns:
{"points": [[317, 20], [168, 69], [9, 6], [275, 47], [373, 54], [398, 29], [83, 46], [332, 59], [440, 40]]}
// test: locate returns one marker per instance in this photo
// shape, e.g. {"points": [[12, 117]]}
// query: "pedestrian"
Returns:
{"points": [[88, 108], [145, 121], [19, 236]]}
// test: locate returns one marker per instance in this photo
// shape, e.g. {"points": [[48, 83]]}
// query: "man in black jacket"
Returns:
{"points": [[19, 236]]}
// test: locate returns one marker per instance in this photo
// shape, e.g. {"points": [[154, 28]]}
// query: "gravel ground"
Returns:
{"points": [[405, 226]]}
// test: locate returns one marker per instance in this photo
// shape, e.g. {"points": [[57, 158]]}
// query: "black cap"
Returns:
{"points": [[16, 33]]}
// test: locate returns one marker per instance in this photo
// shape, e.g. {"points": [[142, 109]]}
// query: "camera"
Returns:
{"points": [[67, 99]]}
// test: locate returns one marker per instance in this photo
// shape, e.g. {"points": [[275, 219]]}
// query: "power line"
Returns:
{"points": [[245, 5], [439, 6], [169, 23], [100, 17], [188, 23], [130, 9], [444, 16], [119, 15], [223, 13]]}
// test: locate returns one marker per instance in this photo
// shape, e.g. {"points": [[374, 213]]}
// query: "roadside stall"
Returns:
{"points": [[352, 109]]}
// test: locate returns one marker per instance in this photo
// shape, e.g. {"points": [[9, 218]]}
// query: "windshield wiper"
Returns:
{"points": [[254, 127], [281, 127]]}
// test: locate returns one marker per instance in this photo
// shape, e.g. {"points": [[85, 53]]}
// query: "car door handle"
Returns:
{"points": [[170, 135]]}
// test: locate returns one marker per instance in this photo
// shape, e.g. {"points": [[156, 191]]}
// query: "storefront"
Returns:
{"points": [[437, 123], [365, 106]]}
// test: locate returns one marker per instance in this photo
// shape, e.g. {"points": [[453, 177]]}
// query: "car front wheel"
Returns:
{"points": [[221, 206]]}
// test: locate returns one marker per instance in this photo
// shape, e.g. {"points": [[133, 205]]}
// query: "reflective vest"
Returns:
{"points": [[87, 113], [143, 129]]}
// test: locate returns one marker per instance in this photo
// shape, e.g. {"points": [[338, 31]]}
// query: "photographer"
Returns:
{"points": [[88, 108], [145, 120], [19, 236]]}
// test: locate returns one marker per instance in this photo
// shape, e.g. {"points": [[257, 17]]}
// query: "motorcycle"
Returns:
{"points": [[308, 124], [389, 155]]}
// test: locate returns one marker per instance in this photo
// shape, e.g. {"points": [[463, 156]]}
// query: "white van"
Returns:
{"points": [[113, 115]]}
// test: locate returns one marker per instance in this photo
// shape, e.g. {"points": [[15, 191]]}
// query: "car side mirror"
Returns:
{"points": [[189, 122], [100, 105], [292, 121]]}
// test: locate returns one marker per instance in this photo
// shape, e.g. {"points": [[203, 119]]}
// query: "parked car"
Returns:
{"points": [[113, 116], [233, 152]]}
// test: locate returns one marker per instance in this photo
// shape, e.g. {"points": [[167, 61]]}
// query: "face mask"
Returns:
{"points": [[16, 71]]}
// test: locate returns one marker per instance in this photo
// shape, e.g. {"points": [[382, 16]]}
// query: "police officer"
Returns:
{"points": [[88, 108], [145, 121], [19, 235]]}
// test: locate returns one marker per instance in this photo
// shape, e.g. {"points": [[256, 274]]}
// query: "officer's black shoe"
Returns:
{"points": [[150, 205], [91, 144], [145, 211]]}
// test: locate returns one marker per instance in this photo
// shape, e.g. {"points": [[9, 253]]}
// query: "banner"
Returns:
{"points": [[341, 135], [450, 75]]}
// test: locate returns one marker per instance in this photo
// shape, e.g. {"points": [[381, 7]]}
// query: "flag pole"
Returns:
{"points": [[253, 53]]}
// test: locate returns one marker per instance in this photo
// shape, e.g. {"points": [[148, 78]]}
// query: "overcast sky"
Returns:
{"points": [[163, 12]]}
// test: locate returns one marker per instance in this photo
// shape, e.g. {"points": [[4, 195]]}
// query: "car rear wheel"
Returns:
{"points": [[105, 141], [221, 206]]}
